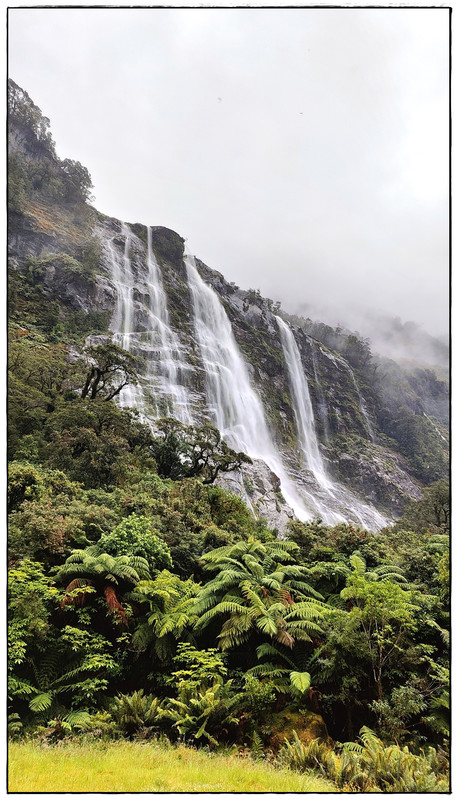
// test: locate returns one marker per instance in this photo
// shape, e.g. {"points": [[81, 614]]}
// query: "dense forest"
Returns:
{"points": [[147, 601]]}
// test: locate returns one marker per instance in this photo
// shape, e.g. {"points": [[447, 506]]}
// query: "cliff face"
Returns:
{"points": [[75, 257]]}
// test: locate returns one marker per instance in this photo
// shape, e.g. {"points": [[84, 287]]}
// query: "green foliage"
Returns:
{"points": [[14, 726], [257, 697], [23, 112], [77, 181], [95, 442], [109, 575], [65, 266], [31, 596], [417, 440], [253, 591], [31, 482], [168, 245], [300, 682], [67, 180], [38, 374], [350, 624], [431, 513], [368, 766], [19, 186], [44, 530], [182, 451], [67, 669], [48, 515], [205, 702], [114, 569], [394, 713], [200, 668], [203, 714], [66, 724], [386, 615], [137, 714], [110, 368], [135, 536], [169, 614]]}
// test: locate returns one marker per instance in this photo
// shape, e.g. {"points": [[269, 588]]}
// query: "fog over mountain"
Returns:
{"points": [[303, 152], [389, 336]]}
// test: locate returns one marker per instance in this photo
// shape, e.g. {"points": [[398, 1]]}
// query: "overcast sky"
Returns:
{"points": [[303, 152]]}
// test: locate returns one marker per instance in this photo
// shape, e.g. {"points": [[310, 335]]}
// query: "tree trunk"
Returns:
{"points": [[114, 604], [349, 723]]}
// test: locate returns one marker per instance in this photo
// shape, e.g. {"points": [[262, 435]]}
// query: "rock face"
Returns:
{"points": [[90, 263], [381, 476], [260, 489], [376, 474]]}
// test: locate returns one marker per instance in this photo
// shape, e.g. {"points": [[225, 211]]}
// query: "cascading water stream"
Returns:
{"points": [[122, 323], [435, 427], [234, 406], [156, 342], [169, 363], [362, 404], [302, 405], [322, 404], [340, 504]]}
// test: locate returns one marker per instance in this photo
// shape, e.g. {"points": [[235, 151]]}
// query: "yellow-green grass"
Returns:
{"points": [[145, 767]]}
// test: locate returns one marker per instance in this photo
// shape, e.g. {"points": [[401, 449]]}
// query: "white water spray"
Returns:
{"points": [[122, 323], [169, 364], [234, 406], [340, 504], [302, 405], [157, 342], [322, 404]]}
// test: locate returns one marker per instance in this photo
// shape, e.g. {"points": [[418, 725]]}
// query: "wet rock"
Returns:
{"points": [[260, 489], [307, 724]]}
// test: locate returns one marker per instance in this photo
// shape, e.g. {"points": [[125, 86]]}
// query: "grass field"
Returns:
{"points": [[145, 767]]}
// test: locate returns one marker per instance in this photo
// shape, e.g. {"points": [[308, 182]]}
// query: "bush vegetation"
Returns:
{"points": [[145, 601]]}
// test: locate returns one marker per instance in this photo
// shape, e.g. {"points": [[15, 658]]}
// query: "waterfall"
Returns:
{"points": [[338, 504], [302, 405], [156, 341], [435, 427], [362, 404], [141, 325], [122, 323], [322, 404], [234, 406], [169, 363]]}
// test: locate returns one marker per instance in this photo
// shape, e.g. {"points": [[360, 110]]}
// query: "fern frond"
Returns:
{"points": [[41, 702], [300, 681]]}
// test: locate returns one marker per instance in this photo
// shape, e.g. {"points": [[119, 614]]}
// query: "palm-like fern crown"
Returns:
{"points": [[254, 568], [257, 586], [170, 603], [87, 565]]}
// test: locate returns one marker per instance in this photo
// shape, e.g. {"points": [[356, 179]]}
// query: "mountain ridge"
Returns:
{"points": [[59, 242]]}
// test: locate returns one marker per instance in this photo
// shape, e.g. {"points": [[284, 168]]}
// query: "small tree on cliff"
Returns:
{"points": [[110, 369], [183, 451]]}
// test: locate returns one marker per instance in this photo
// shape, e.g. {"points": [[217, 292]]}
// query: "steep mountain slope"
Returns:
{"points": [[78, 276]]}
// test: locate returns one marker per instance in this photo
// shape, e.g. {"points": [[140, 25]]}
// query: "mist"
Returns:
{"points": [[302, 152], [405, 342]]}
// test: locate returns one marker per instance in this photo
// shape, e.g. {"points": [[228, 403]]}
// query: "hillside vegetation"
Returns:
{"points": [[147, 603]]}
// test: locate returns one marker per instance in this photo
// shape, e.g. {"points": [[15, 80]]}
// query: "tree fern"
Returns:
{"points": [[41, 702], [300, 682]]}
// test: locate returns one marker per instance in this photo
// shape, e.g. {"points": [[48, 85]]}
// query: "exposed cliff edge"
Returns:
{"points": [[100, 276]]}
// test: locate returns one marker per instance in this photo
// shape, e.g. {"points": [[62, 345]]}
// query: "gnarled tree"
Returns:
{"points": [[110, 369]]}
